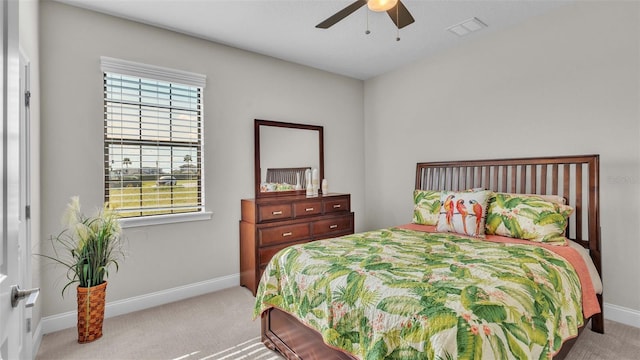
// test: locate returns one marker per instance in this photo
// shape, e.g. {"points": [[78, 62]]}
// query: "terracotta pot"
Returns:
{"points": [[91, 302]]}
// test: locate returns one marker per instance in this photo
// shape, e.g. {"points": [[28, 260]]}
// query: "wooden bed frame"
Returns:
{"points": [[576, 178]]}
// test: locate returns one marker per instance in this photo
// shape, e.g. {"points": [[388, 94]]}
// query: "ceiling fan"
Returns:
{"points": [[395, 8]]}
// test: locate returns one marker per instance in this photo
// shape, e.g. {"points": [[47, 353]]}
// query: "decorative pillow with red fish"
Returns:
{"points": [[463, 212]]}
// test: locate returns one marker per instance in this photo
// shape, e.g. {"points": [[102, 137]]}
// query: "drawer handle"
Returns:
{"points": [[308, 209], [287, 234], [337, 206], [277, 212], [333, 226]]}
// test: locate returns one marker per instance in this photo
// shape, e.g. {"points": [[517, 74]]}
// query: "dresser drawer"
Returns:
{"points": [[266, 253], [274, 212], [283, 234], [336, 205], [307, 208], [328, 227]]}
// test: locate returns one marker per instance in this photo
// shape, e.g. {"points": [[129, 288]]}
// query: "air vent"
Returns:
{"points": [[467, 26]]}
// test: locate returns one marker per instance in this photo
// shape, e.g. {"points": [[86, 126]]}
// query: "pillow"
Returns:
{"points": [[528, 217], [591, 267], [463, 212], [426, 207], [550, 198]]}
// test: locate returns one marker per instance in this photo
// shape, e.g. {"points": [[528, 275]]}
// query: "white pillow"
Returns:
{"points": [[593, 272]]}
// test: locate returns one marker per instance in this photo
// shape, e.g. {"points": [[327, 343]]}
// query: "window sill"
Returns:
{"points": [[165, 219]]}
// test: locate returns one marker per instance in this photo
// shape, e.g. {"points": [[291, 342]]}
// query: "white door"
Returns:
{"points": [[24, 231], [11, 324]]}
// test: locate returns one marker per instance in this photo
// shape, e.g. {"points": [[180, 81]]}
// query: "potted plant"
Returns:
{"points": [[87, 247]]}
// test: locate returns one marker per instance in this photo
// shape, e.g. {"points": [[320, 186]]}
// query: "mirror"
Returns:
{"points": [[283, 151]]}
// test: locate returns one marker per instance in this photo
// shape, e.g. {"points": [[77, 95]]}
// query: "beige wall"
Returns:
{"points": [[241, 86], [563, 83]]}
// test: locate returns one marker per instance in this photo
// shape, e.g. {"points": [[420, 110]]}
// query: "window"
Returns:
{"points": [[152, 139]]}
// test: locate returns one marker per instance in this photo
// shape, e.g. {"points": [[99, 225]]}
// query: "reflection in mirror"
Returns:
{"points": [[285, 152]]}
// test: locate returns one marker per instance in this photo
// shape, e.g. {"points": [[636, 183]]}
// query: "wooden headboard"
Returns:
{"points": [[576, 178], [287, 175]]}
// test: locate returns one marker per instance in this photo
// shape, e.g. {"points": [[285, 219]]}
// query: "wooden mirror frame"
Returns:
{"points": [[257, 169]]}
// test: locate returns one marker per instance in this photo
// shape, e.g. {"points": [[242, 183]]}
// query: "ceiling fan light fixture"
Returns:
{"points": [[381, 5]]}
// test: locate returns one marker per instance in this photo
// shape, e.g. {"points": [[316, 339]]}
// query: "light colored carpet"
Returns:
{"points": [[195, 328], [619, 342], [218, 326]]}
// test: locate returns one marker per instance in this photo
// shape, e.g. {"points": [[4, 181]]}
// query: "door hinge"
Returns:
{"points": [[27, 212], [27, 98], [28, 325]]}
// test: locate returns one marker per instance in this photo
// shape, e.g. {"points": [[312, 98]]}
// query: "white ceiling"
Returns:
{"points": [[285, 29]]}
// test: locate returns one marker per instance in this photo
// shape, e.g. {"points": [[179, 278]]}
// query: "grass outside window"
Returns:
{"points": [[150, 197]]}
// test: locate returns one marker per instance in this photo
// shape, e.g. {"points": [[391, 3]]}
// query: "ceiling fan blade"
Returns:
{"points": [[402, 17], [341, 14]]}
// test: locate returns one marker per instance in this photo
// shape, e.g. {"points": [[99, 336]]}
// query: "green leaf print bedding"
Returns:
{"points": [[404, 294]]}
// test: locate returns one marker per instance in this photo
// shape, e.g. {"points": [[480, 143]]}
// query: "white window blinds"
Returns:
{"points": [[152, 139]]}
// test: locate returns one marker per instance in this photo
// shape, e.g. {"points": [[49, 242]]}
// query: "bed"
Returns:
{"points": [[447, 309]]}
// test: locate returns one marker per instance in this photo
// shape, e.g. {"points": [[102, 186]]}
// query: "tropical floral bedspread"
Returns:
{"points": [[404, 294]]}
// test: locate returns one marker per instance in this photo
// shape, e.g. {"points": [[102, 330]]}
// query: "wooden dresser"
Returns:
{"points": [[273, 223]]}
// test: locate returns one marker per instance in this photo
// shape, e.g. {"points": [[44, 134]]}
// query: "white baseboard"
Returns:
{"points": [[66, 320], [622, 315]]}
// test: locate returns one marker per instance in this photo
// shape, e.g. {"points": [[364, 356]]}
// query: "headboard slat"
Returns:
{"points": [[566, 180], [534, 178], [578, 202], [503, 176], [543, 179], [487, 175], [554, 178]]}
